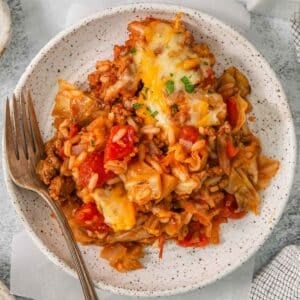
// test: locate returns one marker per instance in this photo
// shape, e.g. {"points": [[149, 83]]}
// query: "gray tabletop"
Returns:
{"points": [[272, 37]]}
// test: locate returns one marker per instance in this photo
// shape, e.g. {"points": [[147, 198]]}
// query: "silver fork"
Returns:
{"points": [[24, 148]]}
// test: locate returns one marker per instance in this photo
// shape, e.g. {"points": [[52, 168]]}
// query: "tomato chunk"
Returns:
{"points": [[189, 133], [232, 111], [120, 142], [190, 241], [94, 164], [231, 206], [195, 236], [90, 218], [74, 129], [231, 150]]}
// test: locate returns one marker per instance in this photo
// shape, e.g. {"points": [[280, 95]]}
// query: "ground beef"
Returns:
{"points": [[114, 79], [49, 167], [61, 188], [46, 171], [121, 113]]}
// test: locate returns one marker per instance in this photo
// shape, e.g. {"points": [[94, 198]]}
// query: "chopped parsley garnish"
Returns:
{"points": [[92, 143], [189, 87], [205, 63], [170, 87], [174, 109], [132, 50], [152, 113], [171, 74], [137, 105], [144, 92]]}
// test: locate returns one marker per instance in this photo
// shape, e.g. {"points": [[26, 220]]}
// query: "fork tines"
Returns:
{"points": [[22, 134]]}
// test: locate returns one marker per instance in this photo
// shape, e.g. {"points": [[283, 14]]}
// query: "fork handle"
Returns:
{"points": [[84, 277]]}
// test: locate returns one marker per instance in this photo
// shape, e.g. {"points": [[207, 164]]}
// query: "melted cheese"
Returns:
{"points": [[206, 110], [161, 60], [163, 56], [117, 210]]}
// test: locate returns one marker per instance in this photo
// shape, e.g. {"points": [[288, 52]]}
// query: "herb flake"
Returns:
{"points": [[189, 87], [137, 105], [170, 87], [132, 50], [154, 114], [144, 92], [92, 143]]}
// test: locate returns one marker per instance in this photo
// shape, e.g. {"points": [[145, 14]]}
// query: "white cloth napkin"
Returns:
{"points": [[53, 16], [36, 277]]}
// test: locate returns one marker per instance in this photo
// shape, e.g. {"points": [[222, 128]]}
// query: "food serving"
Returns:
{"points": [[158, 148]]}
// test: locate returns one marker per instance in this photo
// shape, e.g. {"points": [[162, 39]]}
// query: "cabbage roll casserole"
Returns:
{"points": [[157, 149]]}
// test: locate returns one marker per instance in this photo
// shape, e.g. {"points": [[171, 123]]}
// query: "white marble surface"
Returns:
{"points": [[271, 36]]}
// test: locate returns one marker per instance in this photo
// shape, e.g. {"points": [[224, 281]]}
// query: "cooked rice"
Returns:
{"points": [[149, 154]]}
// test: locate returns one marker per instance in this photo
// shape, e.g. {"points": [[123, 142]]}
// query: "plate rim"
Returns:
{"points": [[169, 9], [5, 292], [5, 21]]}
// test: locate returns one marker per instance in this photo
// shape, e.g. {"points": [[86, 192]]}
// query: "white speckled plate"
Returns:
{"points": [[5, 25], [71, 55]]}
